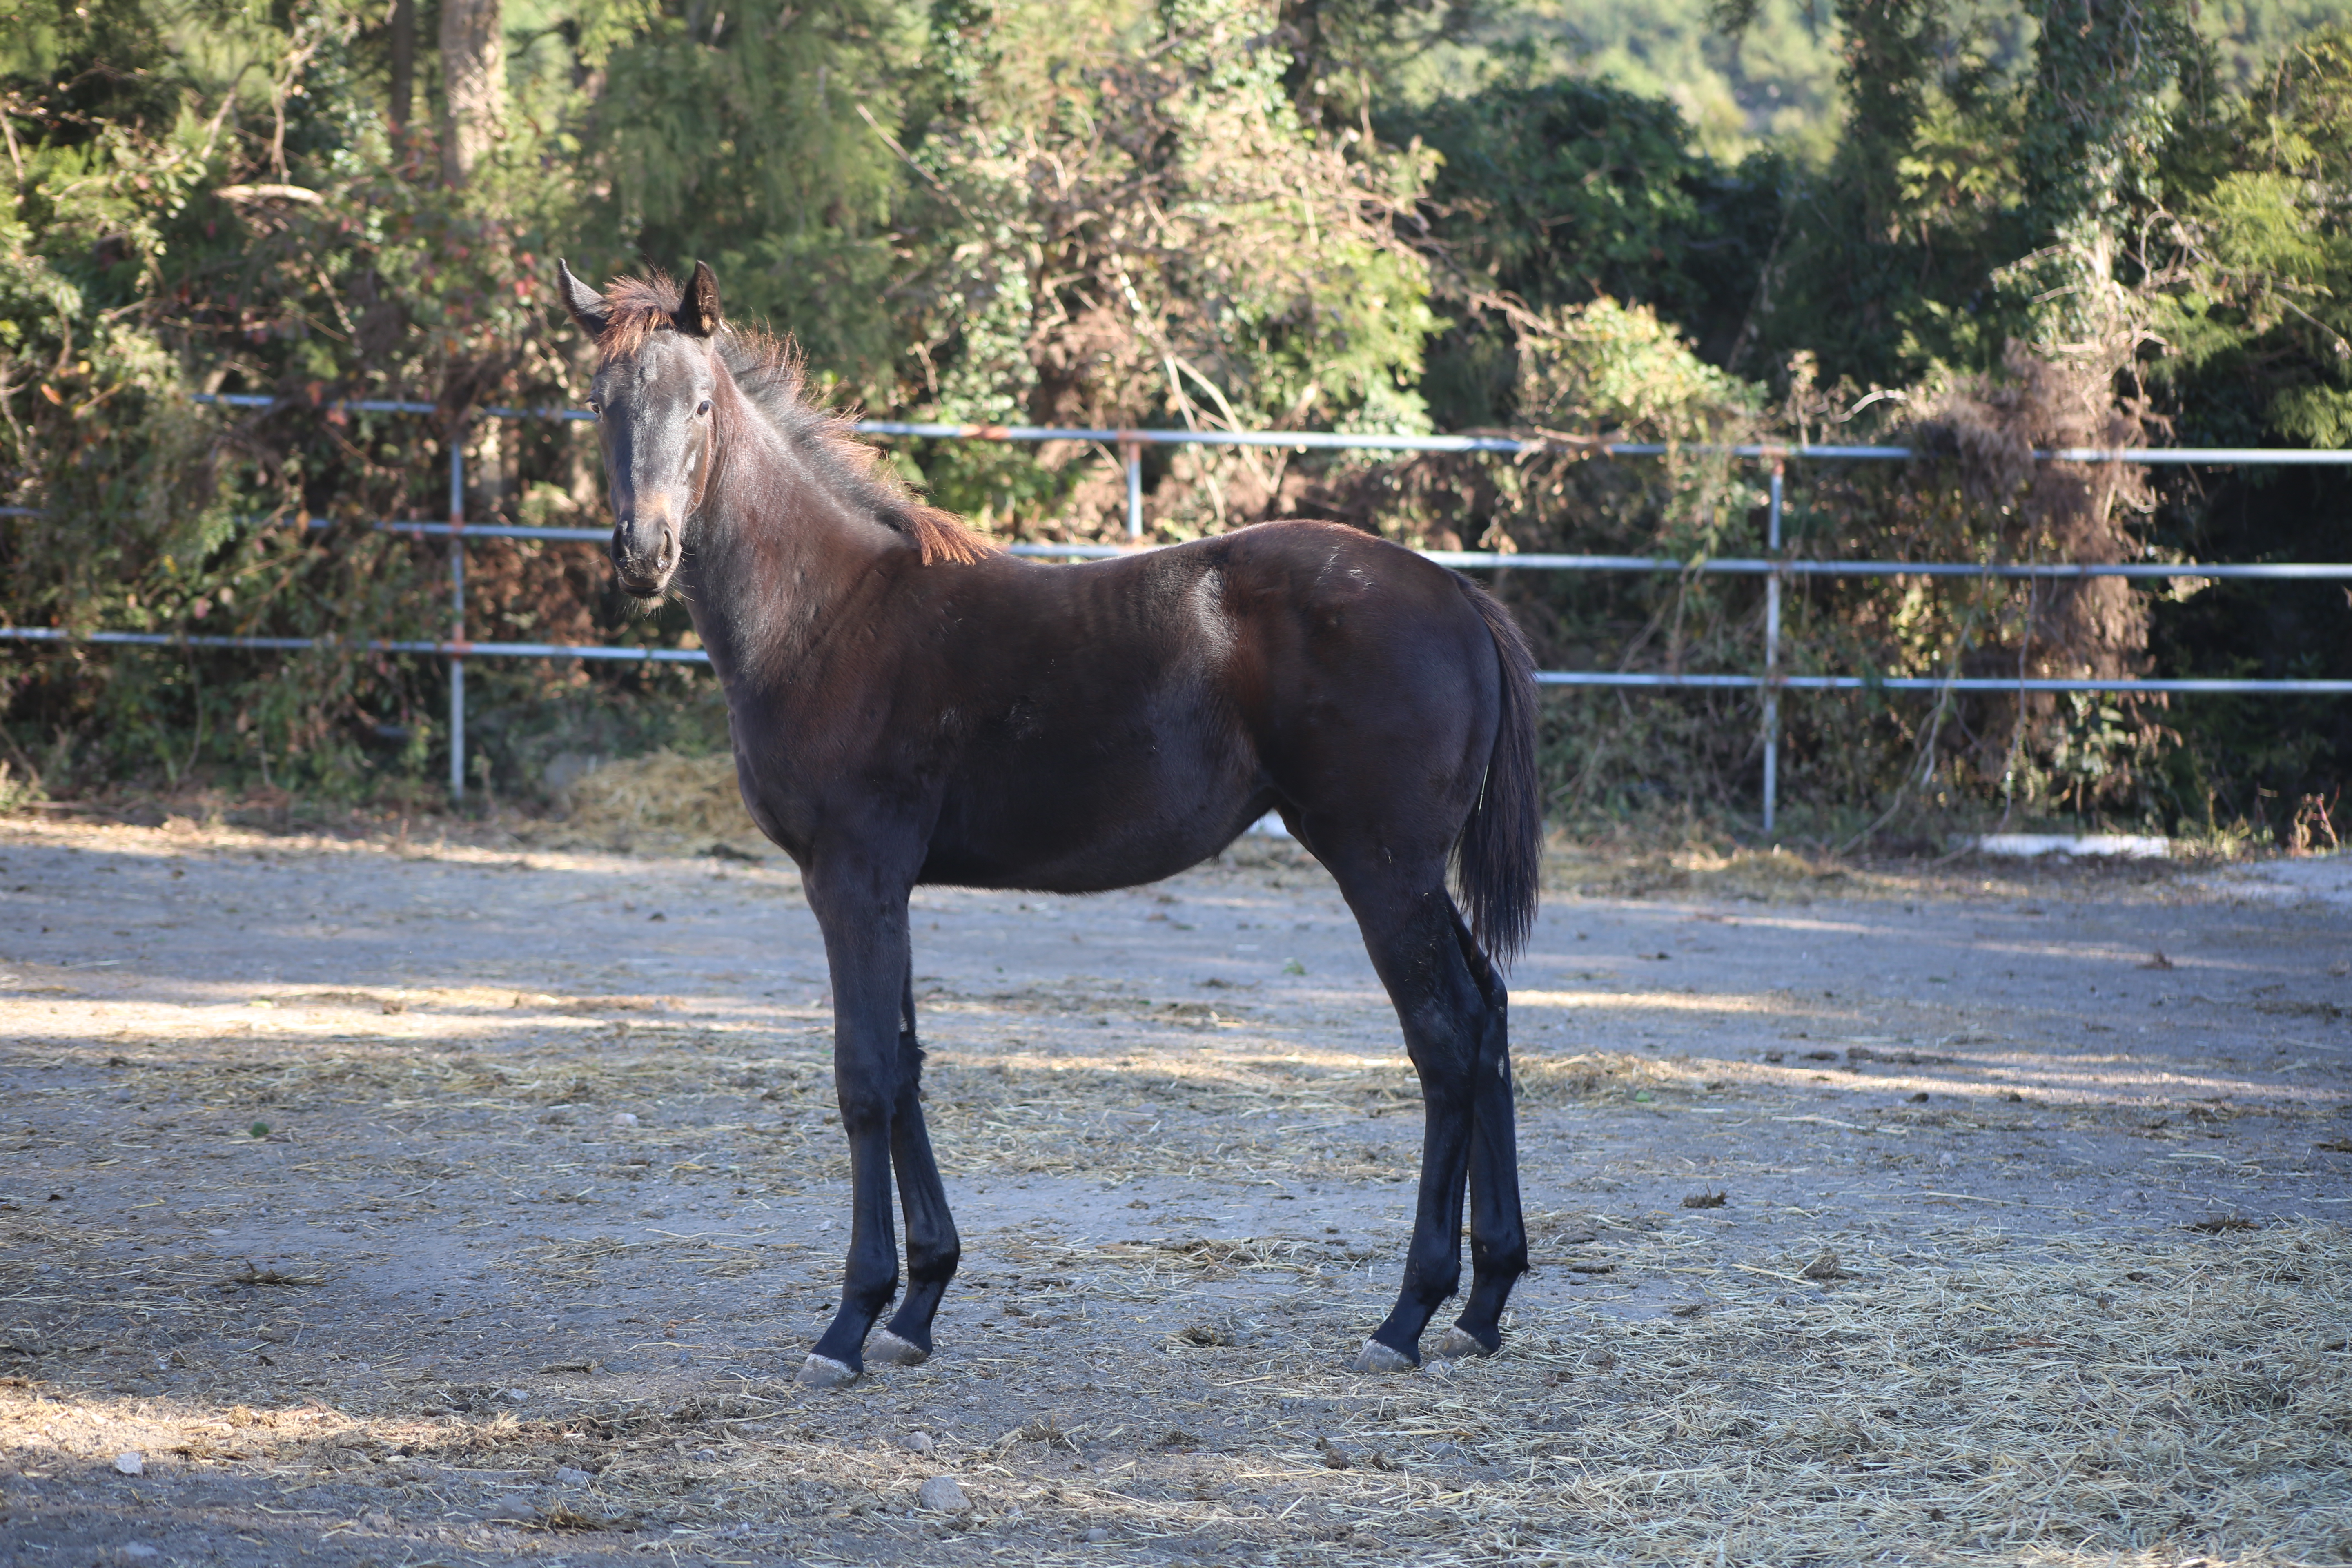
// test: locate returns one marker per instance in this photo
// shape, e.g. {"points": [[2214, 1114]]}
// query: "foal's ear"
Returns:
{"points": [[586, 305], [697, 313]]}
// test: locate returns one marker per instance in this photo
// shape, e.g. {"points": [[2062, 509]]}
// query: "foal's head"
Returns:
{"points": [[652, 397]]}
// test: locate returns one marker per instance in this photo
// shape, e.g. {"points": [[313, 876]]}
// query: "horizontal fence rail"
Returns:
{"points": [[1757, 566], [369, 645], [1775, 569], [2184, 687], [1693, 679]]}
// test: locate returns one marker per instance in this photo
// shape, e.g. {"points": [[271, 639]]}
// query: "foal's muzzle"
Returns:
{"points": [[643, 556]]}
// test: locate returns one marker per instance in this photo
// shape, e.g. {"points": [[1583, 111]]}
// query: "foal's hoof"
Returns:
{"points": [[824, 1372], [1459, 1343], [891, 1350], [1378, 1357]]}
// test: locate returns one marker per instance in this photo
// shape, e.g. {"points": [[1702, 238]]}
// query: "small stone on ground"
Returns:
{"points": [[942, 1494]]}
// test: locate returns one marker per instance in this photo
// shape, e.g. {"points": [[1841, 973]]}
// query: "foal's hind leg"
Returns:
{"points": [[1498, 1235], [932, 1248], [1453, 1030]]}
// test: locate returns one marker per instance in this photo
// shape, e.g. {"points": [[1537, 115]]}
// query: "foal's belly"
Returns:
{"points": [[1080, 835], [1081, 869]]}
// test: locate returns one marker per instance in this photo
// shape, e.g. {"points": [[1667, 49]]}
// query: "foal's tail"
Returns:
{"points": [[1498, 858]]}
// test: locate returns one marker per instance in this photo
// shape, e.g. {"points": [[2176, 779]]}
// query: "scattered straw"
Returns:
{"points": [[255, 1276], [1964, 1396], [616, 1306], [663, 801]]}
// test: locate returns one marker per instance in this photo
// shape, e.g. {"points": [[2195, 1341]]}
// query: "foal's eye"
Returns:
{"points": [[595, 408], [704, 412]]}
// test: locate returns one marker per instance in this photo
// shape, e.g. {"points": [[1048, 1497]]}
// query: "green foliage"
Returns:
{"points": [[1772, 80], [2099, 108], [2261, 290], [1978, 226], [760, 143], [1886, 271], [229, 214], [1570, 190], [1602, 366], [2251, 316], [1128, 222]]}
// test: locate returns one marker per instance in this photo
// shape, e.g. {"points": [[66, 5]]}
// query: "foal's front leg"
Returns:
{"points": [[932, 1249], [866, 948]]}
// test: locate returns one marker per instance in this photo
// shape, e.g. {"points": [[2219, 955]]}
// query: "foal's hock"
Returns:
{"points": [[911, 705]]}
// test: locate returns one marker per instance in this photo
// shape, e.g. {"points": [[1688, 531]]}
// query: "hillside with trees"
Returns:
{"points": [[1971, 228]]}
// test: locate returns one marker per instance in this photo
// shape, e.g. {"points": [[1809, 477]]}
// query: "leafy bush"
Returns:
{"points": [[1217, 213]]}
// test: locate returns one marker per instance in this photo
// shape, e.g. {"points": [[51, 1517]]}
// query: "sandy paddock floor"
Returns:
{"points": [[378, 1201]]}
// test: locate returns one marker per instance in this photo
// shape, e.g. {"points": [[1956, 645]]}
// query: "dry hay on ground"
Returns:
{"points": [[1626, 865], [1861, 1379], [662, 801], [1652, 862], [1968, 1396]]}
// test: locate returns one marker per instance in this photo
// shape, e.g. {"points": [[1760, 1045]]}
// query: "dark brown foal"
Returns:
{"points": [[910, 705]]}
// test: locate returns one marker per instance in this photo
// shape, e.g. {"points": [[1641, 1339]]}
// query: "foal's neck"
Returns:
{"points": [[781, 550]]}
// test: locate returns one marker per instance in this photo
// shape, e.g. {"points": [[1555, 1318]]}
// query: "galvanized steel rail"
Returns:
{"points": [[1774, 568]]}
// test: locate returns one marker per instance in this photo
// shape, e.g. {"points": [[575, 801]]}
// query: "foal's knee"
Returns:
{"points": [[933, 1261], [865, 1107], [1444, 1049], [1433, 1272], [1503, 1254]]}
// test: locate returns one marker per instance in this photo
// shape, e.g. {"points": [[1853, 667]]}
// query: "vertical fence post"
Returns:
{"points": [[1772, 657], [1132, 451], [458, 604]]}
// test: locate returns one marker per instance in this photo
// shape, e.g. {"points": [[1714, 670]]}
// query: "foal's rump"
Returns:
{"points": [[1138, 714], [1350, 654], [1389, 706], [1395, 715]]}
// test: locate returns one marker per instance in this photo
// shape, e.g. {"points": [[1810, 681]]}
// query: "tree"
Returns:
{"points": [[1127, 221], [473, 84], [2255, 295], [1569, 191]]}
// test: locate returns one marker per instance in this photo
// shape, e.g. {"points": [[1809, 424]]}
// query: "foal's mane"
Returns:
{"points": [[769, 373]]}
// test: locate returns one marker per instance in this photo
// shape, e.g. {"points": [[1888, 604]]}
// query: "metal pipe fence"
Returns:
{"points": [[1775, 567]]}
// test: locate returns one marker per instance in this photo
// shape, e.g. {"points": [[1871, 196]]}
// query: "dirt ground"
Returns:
{"points": [[374, 1200]]}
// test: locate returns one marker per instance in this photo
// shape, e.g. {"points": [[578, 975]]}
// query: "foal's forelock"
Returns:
{"points": [[637, 308]]}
